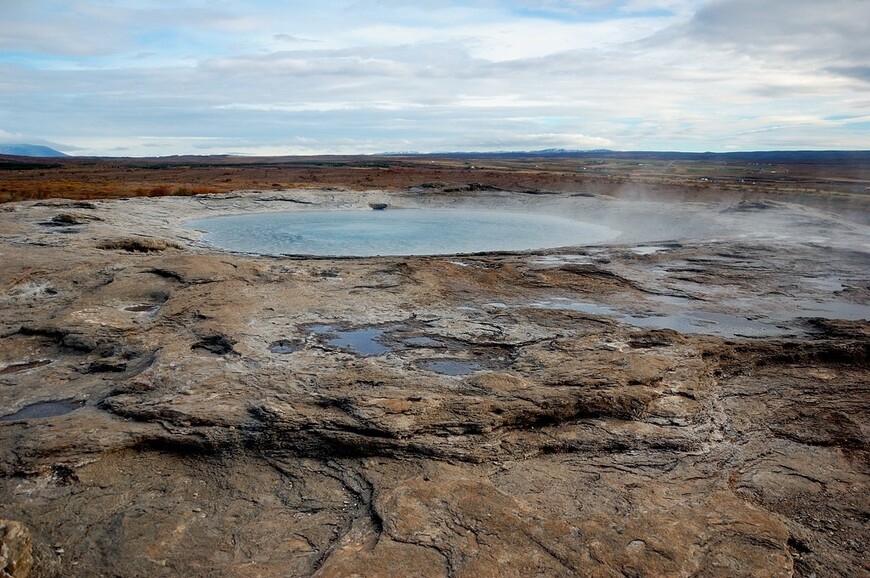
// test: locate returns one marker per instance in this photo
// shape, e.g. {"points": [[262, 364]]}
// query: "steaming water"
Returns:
{"points": [[396, 232]]}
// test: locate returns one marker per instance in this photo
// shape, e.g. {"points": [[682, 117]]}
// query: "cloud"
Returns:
{"points": [[861, 73], [369, 75], [834, 31], [290, 38], [8, 137]]}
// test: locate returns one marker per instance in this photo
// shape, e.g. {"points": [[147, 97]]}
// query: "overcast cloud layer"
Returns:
{"points": [[148, 77]]}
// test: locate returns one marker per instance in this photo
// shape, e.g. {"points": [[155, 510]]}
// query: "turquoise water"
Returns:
{"points": [[396, 232]]}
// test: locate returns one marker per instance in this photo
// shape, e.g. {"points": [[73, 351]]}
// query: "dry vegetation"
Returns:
{"points": [[813, 180]]}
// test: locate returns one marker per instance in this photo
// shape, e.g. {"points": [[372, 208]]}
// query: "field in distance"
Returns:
{"points": [[820, 179]]}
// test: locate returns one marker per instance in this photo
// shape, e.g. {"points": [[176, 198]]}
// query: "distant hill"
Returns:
{"points": [[848, 157], [29, 150]]}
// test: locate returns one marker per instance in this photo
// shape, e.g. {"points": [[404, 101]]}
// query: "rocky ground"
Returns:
{"points": [[688, 401]]}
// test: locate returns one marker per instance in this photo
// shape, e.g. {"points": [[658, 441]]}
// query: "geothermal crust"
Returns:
{"points": [[170, 409]]}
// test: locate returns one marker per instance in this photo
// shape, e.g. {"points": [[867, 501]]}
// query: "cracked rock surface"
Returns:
{"points": [[691, 400]]}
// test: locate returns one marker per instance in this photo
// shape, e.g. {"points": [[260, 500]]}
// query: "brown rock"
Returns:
{"points": [[16, 550], [150, 425]]}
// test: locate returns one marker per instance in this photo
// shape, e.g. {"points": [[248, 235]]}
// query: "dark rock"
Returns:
{"points": [[217, 344], [106, 367], [138, 245]]}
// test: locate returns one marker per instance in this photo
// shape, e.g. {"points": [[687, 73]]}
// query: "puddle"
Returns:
{"points": [[423, 342], [831, 284], [453, 367], [371, 341], [671, 299], [43, 409], [582, 307], [648, 249], [365, 341], [144, 308], [19, 367], [284, 346], [702, 322], [833, 310], [687, 320], [708, 323], [570, 259]]}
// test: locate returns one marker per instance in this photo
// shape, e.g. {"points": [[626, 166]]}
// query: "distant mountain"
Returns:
{"points": [[29, 150], [805, 156]]}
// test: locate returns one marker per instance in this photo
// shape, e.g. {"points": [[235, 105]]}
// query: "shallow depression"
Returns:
{"points": [[396, 232], [42, 409]]}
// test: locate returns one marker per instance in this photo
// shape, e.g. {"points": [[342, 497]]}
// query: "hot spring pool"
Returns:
{"points": [[395, 232]]}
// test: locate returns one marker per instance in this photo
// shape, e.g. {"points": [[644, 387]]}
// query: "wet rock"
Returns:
{"points": [[217, 344], [106, 367], [284, 346]]}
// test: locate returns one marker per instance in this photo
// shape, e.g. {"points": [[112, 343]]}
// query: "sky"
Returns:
{"points": [[154, 78]]}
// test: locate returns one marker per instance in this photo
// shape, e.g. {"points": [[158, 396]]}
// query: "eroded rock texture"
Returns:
{"points": [[676, 410]]}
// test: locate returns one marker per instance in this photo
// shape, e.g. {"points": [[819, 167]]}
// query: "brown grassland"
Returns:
{"points": [[825, 181]]}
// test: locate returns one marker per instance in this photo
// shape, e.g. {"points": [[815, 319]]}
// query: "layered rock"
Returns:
{"points": [[173, 410]]}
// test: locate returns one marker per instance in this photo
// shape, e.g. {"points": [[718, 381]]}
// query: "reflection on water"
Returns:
{"points": [[719, 324], [453, 367], [365, 341], [284, 346], [396, 232]]}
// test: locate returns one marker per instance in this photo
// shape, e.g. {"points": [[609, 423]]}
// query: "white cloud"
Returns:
{"points": [[370, 75]]}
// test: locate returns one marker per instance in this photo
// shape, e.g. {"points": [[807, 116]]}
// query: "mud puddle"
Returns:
{"points": [[691, 321], [434, 353], [644, 250], [833, 310], [373, 340], [43, 409], [458, 367], [364, 341], [285, 346], [720, 324]]}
